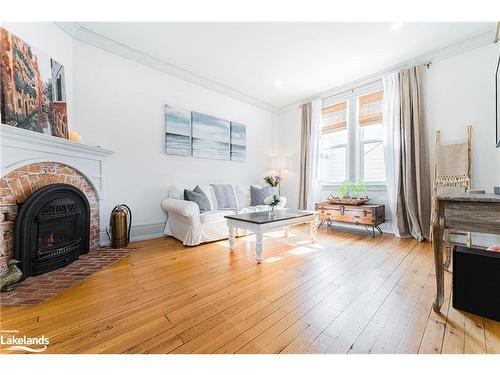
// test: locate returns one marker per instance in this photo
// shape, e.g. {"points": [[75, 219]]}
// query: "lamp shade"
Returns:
{"points": [[279, 162]]}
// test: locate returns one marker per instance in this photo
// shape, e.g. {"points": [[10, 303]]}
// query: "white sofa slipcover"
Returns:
{"points": [[187, 224]]}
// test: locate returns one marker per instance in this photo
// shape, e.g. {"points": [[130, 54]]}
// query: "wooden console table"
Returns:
{"points": [[368, 215], [464, 212]]}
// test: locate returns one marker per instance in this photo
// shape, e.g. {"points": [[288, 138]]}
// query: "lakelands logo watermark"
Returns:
{"points": [[12, 340]]}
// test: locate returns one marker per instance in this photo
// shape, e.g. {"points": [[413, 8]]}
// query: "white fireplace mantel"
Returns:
{"points": [[20, 147]]}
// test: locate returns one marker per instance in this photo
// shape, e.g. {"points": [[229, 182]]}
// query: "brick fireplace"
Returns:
{"points": [[18, 185], [33, 161]]}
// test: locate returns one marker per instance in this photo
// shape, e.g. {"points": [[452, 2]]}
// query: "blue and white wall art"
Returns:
{"points": [[177, 131], [189, 133], [211, 137], [238, 142]]}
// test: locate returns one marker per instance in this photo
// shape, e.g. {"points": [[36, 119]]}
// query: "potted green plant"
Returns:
{"points": [[350, 193]]}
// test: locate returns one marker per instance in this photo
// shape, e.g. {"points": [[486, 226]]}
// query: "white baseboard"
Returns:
{"points": [[138, 232]]}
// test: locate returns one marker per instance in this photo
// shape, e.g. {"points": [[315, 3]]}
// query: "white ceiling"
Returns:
{"points": [[308, 58]]}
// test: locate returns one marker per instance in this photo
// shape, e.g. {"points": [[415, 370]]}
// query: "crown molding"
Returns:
{"points": [[94, 39], [439, 54], [82, 34]]}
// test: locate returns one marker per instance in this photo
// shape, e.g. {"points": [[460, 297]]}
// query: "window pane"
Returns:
{"points": [[372, 132], [334, 117], [333, 165], [370, 108], [373, 162], [334, 138]]}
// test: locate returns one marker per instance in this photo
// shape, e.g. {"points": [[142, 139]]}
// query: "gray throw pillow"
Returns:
{"points": [[199, 197], [258, 195]]}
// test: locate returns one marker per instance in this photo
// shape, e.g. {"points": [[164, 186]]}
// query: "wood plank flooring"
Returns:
{"points": [[345, 293]]}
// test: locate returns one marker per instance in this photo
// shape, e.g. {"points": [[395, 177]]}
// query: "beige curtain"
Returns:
{"points": [[413, 206], [305, 141]]}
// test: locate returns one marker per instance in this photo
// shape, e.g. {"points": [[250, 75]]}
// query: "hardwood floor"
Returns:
{"points": [[346, 293]]}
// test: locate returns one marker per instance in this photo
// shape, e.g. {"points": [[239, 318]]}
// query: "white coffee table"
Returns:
{"points": [[261, 222]]}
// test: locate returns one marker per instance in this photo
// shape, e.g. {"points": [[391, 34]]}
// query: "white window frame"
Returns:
{"points": [[346, 145], [354, 150], [362, 159]]}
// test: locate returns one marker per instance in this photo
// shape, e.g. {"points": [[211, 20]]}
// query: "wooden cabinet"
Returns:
{"points": [[368, 215]]}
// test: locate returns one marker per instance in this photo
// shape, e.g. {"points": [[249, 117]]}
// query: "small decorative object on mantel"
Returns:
{"points": [[349, 193], [272, 201], [13, 275], [74, 136], [497, 190]]}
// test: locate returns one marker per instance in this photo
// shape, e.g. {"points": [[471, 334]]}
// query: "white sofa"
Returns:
{"points": [[185, 222]]}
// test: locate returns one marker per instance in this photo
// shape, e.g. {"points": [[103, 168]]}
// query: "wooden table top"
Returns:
{"points": [[368, 205], [264, 217], [464, 197]]}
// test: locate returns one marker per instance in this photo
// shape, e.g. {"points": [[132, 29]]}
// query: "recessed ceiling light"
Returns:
{"points": [[397, 25], [278, 83]]}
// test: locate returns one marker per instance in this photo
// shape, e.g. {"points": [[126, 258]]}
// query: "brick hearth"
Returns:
{"points": [[37, 289], [18, 185]]}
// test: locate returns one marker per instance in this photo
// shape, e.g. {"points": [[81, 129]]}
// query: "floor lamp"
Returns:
{"points": [[279, 163]]}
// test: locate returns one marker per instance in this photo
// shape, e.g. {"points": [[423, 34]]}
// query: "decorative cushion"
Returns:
{"points": [[225, 196], [259, 194], [199, 197], [243, 196]]}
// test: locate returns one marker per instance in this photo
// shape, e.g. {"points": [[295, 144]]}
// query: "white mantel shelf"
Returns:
{"points": [[11, 136], [20, 147]]}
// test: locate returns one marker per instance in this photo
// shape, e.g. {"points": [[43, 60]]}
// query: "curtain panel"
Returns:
{"points": [[413, 209], [392, 144], [406, 153], [310, 187]]}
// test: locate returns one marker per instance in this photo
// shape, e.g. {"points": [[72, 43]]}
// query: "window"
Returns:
{"points": [[351, 143], [371, 137], [333, 144]]}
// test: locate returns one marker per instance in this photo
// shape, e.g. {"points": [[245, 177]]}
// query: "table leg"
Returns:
{"points": [[286, 231], [232, 238], [313, 230], [437, 237], [259, 247], [447, 261]]}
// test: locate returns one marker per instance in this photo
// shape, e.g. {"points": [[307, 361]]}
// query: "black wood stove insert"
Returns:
{"points": [[52, 229]]}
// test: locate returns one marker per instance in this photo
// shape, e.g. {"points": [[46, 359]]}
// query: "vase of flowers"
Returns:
{"points": [[272, 201], [273, 181]]}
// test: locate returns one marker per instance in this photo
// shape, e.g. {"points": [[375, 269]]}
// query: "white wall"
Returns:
{"points": [[461, 92], [50, 39], [120, 106], [289, 145]]}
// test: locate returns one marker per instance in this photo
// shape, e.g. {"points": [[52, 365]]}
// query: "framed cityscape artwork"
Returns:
{"points": [[33, 88]]}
